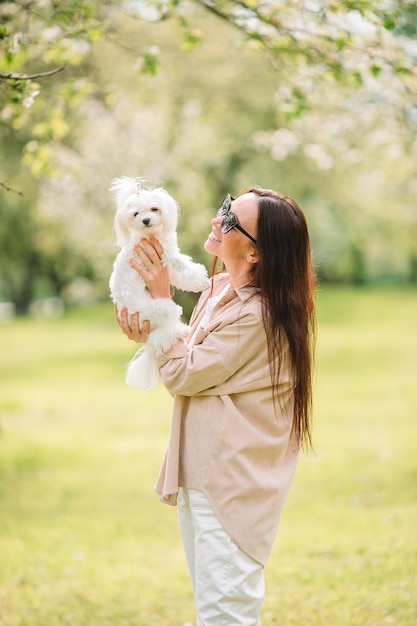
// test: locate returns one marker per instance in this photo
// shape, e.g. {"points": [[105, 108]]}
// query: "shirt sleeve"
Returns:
{"points": [[209, 366]]}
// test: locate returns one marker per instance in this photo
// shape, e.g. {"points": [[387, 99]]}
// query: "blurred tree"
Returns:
{"points": [[310, 44], [182, 93]]}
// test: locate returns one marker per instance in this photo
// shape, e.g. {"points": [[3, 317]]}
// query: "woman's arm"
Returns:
{"points": [[209, 367]]}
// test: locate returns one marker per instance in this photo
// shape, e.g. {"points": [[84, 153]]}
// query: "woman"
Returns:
{"points": [[242, 397]]}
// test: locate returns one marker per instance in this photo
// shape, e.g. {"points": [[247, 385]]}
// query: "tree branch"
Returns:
{"points": [[20, 193], [14, 76]]}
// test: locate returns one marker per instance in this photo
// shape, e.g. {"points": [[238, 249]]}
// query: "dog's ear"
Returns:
{"points": [[122, 188], [169, 208], [121, 229]]}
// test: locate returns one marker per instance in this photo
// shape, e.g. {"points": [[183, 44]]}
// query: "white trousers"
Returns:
{"points": [[228, 585]]}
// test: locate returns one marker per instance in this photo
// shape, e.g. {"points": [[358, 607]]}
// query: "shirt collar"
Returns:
{"points": [[244, 292]]}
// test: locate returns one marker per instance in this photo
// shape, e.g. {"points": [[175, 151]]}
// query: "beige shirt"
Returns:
{"points": [[227, 438]]}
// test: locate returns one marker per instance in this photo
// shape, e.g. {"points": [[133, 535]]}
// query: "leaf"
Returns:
{"points": [[388, 21], [191, 38], [402, 69], [150, 60], [95, 34]]}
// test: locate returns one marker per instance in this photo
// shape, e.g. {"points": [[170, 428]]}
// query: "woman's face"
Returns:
{"points": [[235, 245]]}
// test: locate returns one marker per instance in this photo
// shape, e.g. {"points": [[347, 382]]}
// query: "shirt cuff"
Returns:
{"points": [[172, 499]]}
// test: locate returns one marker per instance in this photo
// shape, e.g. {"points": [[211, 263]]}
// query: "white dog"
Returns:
{"points": [[142, 212]]}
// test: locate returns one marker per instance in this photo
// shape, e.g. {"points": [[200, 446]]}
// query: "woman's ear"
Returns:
{"points": [[252, 256]]}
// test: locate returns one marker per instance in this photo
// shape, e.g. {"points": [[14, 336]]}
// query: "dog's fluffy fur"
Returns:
{"points": [[142, 212]]}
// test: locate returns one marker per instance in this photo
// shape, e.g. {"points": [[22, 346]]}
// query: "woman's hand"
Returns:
{"points": [[133, 330], [156, 276], [153, 271]]}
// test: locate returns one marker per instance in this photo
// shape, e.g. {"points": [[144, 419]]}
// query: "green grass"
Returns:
{"points": [[84, 540]]}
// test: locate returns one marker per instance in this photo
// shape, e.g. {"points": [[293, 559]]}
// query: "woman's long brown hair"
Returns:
{"points": [[286, 279]]}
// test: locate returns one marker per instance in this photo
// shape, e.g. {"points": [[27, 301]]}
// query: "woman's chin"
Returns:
{"points": [[211, 245]]}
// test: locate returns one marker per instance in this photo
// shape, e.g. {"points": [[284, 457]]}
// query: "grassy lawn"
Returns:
{"points": [[84, 539]]}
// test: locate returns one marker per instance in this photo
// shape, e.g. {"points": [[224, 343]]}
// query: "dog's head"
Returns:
{"points": [[142, 212]]}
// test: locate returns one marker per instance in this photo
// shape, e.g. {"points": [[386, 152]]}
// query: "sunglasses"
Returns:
{"points": [[229, 218]]}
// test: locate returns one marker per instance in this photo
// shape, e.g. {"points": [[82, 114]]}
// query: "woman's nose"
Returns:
{"points": [[216, 221]]}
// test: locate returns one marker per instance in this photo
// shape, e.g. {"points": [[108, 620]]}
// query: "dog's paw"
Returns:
{"points": [[188, 276], [198, 281]]}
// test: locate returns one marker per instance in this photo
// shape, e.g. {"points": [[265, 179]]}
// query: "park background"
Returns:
{"points": [[316, 99]]}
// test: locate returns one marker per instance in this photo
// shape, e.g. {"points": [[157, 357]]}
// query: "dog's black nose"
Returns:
{"points": [[146, 221]]}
